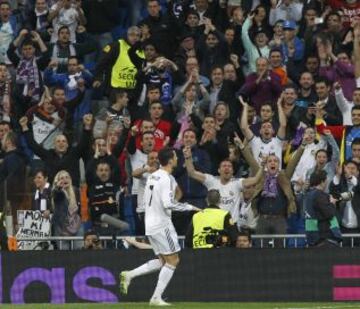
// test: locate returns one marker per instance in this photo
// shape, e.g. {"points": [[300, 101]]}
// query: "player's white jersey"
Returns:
{"points": [[231, 193], [159, 200], [260, 148], [140, 195]]}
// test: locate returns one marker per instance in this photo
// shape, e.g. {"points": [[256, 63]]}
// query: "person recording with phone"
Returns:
{"points": [[115, 114]]}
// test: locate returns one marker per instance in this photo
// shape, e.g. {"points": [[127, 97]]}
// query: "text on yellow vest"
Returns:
{"points": [[205, 221], [123, 74]]}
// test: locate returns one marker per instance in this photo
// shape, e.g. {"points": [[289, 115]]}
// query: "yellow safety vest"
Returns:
{"points": [[124, 72], [210, 217]]}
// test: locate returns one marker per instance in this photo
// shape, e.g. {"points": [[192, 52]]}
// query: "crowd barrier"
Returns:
{"points": [[224, 274], [259, 241]]}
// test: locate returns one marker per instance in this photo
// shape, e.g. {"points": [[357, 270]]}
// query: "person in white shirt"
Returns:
{"points": [[344, 105], [307, 160], [265, 144], [230, 188], [142, 174], [158, 202], [285, 10], [139, 157], [66, 13]]}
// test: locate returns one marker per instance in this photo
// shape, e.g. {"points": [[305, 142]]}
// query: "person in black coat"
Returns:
{"points": [[28, 85], [62, 157], [66, 220], [212, 49], [103, 154], [225, 91], [102, 198], [42, 197], [163, 28], [37, 19], [12, 171], [330, 110], [345, 188]]}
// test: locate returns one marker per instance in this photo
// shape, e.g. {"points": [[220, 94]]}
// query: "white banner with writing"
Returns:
{"points": [[32, 225]]}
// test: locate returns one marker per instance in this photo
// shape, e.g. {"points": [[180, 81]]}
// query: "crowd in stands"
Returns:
{"points": [[254, 95]]}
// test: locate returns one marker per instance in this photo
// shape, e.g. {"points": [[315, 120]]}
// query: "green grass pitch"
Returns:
{"points": [[334, 305]]}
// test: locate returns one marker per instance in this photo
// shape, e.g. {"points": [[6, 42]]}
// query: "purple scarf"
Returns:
{"points": [[27, 74], [270, 186], [298, 136]]}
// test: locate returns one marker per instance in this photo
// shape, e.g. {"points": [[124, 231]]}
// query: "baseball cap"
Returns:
{"points": [[289, 24]]}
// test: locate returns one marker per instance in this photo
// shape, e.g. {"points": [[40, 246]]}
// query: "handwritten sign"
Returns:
{"points": [[32, 225]]}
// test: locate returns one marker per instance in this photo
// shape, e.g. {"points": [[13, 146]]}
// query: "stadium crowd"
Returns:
{"points": [[260, 99]]}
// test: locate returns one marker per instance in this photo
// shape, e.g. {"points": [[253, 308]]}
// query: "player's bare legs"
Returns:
{"points": [[165, 275], [147, 268]]}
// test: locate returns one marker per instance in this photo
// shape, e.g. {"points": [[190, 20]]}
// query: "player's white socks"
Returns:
{"points": [[165, 276], [147, 268]]}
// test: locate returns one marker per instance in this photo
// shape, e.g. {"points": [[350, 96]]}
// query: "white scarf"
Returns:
{"points": [[37, 193], [55, 53], [38, 19], [72, 84]]}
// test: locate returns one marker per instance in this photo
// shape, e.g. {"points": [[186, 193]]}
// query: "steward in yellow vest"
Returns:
{"points": [[115, 62], [212, 227]]}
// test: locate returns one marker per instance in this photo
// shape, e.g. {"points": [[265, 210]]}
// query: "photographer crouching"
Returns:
{"points": [[213, 227], [92, 241]]}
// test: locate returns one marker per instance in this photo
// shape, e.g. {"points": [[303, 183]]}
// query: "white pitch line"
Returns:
{"points": [[322, 307]]}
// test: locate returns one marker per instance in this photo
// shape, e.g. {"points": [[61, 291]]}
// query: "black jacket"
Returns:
{"points": [[102, 199], [12, 170], [114, 165], [227, 94], [101, 15], [333, 115], [342, 187], [164, 30], [55, 163]]}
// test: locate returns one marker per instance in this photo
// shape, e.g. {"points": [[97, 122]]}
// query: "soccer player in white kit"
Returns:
{"points": [[158, 202]]}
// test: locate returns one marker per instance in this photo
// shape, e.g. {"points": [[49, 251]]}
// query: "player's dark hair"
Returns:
{"points": [[165, 155]]}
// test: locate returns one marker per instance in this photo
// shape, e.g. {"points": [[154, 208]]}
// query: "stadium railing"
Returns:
{"points": [[259, 241]]}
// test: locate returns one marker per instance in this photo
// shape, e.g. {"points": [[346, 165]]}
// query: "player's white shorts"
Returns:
{"points": [[165, 242]]}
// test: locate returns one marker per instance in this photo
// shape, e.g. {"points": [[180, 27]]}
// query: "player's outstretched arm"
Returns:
{"points": [[190, 166], [168, 199], [251, 181]]}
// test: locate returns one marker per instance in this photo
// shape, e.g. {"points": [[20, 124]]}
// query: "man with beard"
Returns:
{"points": [[230, 188], [306, 93], [266, 143]]}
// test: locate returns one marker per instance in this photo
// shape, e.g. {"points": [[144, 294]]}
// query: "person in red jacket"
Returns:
{"points": [[164, 131], [350, 8]]}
